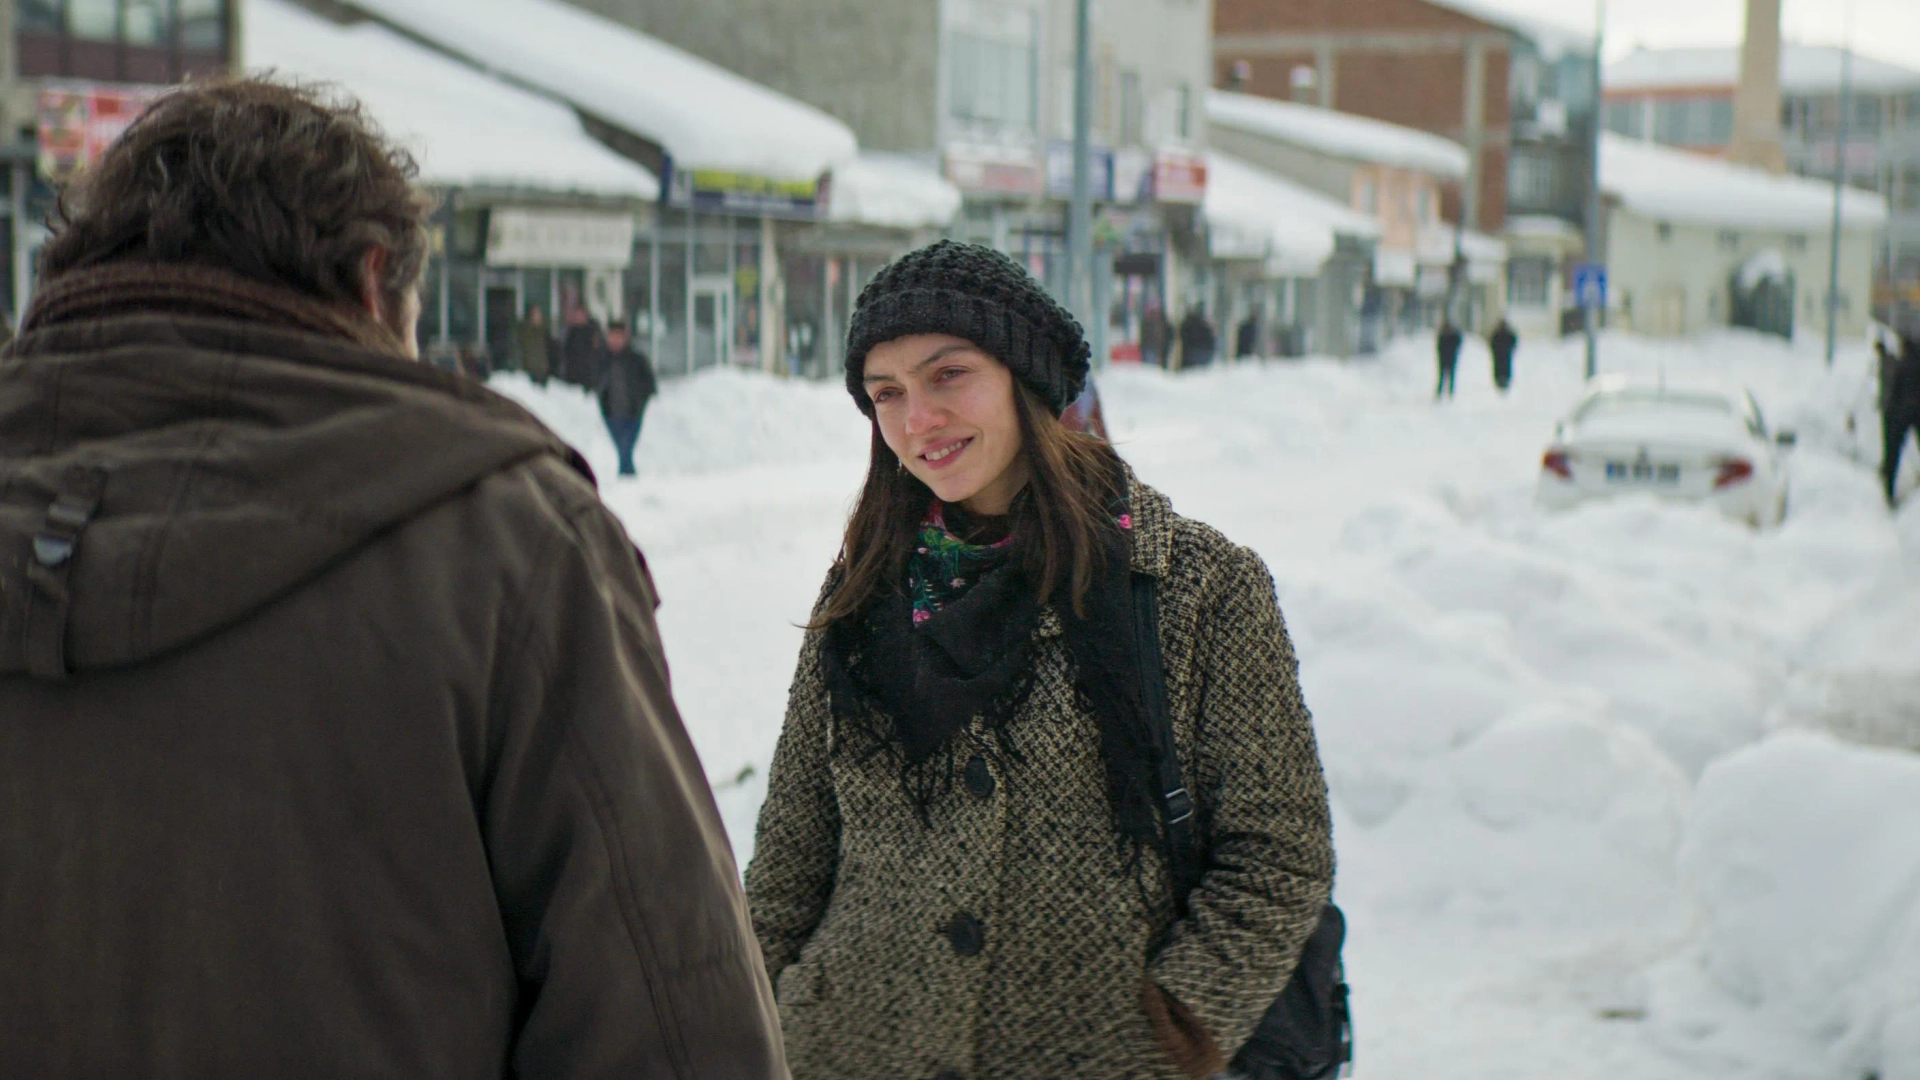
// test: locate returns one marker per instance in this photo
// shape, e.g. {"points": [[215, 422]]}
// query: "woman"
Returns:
{"points": [[959, 869]]}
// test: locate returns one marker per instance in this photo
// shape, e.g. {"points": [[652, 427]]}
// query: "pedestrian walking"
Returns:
{"points": [[1197, 339], [582, 345], [1448, 346], [960, 868], [1156, 337], [1901, 415], [335, 730], [1502, 343], [532, 341], [626, 385], [1246, 338]]}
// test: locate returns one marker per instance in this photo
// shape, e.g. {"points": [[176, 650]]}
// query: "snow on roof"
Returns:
{"points": [[1804, 69], [1550, 38], [1338, 134], [893, 190], [703, 115], [465, 128], [1252, 213], [1659, 182]]}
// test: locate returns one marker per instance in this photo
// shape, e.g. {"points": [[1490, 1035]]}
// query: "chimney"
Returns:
{"points": [[1756, 104]]}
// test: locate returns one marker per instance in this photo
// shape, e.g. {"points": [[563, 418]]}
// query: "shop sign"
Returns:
{"points": [[78, 121], [1132, 176], [530, 237], [991, 174], [1179, 176], [722, 192], [1060, 171]]}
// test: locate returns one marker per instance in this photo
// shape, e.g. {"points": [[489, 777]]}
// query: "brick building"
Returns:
{"points": [[1420, 64]]}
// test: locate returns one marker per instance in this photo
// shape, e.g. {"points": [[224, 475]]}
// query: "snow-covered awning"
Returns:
{"points": [[892, 190], [1673, 185], [466, 128], [1486, 255], [1254, 214], [1338, 134], [704, 116]]}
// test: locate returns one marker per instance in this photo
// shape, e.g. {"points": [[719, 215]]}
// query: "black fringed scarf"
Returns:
{"points": [[911, 686]]}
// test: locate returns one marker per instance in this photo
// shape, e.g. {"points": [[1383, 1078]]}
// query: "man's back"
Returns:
{"points": [[335, 733]]}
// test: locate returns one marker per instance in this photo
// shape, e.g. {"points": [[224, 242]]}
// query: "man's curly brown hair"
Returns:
{"points": [[283, 184]]}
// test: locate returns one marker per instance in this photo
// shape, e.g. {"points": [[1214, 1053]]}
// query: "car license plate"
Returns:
{"points": [[1641, 472]]}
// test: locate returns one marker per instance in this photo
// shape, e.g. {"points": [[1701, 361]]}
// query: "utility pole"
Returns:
{"points": [[1593, 190], [1839, 188], [1080, 214]]}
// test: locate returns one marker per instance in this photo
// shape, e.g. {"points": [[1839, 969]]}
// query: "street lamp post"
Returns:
{"points": [[1079, 275], [1593, 191], [1839, 188]]}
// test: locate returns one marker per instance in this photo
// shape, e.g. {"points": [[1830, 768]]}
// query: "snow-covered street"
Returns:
{"points": [[1618, 792]]}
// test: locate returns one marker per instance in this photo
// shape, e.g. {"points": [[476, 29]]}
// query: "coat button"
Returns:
{"points": [[968, 935], [979, 777]]}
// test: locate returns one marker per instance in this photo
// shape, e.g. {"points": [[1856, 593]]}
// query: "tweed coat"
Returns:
{"points": [[1008, 938]]}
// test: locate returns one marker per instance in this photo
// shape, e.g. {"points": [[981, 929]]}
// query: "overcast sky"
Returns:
{"points": [[1887, 29]]}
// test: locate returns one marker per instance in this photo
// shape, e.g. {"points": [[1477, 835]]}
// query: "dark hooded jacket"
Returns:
{"points": [[335, 733]]}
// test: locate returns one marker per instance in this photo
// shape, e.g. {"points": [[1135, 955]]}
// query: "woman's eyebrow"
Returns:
{"points": [[938, 355]]}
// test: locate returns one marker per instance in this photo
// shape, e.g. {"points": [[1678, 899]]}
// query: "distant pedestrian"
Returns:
{"points": [[1448, 344], [534, 343], [626, 384], [1902, 414], [581, 348], [1156, 337], [1246, 337], [1196, 339], [1503, 342], [336, 736]]}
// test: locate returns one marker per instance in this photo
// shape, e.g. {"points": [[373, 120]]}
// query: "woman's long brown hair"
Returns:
{"points": [[1064, 525]]}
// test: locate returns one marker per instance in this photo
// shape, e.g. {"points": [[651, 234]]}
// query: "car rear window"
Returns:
{"points": [[1640, 401]]}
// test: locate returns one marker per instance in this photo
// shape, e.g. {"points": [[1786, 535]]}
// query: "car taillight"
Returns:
{"points": [[1733, 471], [1558, 463]]}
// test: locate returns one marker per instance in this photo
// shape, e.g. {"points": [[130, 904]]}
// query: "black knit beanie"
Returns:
{"points": [[978, 294]]}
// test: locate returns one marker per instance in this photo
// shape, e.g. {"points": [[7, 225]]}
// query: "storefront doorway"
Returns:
{"points": [[712, 320]]}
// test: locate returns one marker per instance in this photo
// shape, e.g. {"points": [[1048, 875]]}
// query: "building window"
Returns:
{"points": [[1183, 111], [94, 20], [1533, 181], [1133, 109], [1427, 210], [1866, 115], [1368, 197], [147, 22], [39, 16], [1529, 281], [1797, 242], [1305, 81], [1696, 121], [1729, 240], [1624, 118], [1664, 230], [990, 67], [1908, 196], [202, 25]]}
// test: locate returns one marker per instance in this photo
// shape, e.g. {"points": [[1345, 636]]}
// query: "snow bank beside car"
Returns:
{"points": [[1803, 851]]}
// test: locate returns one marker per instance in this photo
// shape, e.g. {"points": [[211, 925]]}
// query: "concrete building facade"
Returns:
{"points": [[1686, 98], [983, 91]]}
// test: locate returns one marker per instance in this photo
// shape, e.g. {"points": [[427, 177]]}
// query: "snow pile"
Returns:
{"points": [[1338, 134], [429, 103], [717, 420], [1658, 182], [1803, 851], [703, 115], [894, 190]]}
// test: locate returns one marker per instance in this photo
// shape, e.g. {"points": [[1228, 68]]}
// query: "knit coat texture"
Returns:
{"points": [[1011, 935]]}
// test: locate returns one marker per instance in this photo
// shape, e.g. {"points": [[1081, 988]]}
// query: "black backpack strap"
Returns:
{"points": [[1185, 858]]}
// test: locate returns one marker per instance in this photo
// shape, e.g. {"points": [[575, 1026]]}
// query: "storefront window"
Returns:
{"points": [[147, 22], [991, 64], [203, 25], [39, 16], [94, 20]]}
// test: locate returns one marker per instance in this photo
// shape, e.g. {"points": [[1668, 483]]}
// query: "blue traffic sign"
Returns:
{"points": [[1590, 286]]}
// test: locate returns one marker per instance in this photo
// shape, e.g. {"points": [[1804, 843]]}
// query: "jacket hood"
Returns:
{"points": [[164, 477]]}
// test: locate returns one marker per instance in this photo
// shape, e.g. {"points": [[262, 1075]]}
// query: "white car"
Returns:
{"points": [[1685, 443]]}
